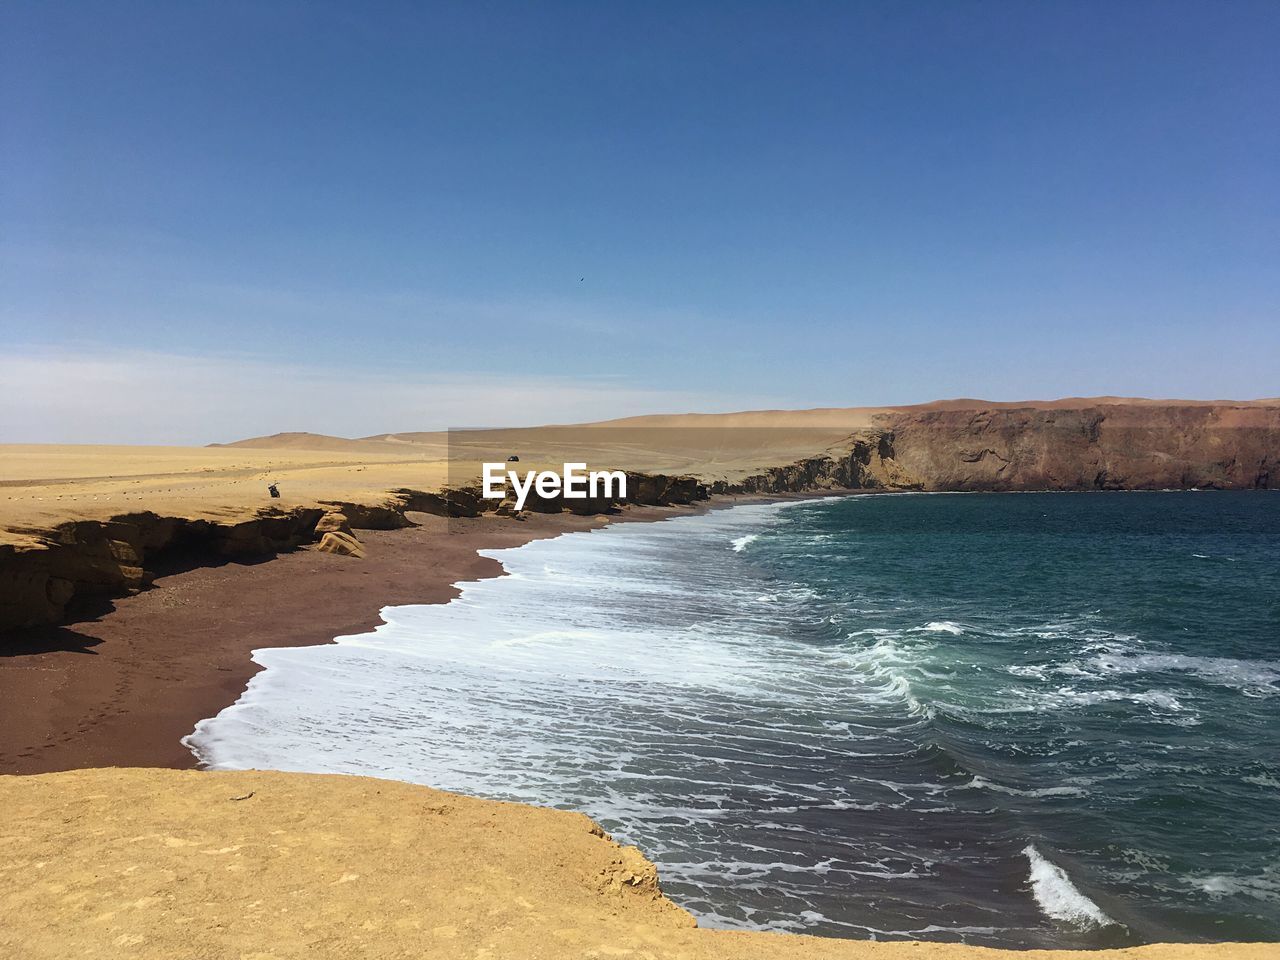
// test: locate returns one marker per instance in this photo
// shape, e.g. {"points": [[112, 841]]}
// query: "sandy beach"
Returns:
{"points": [[130, 675], [123, 689]]}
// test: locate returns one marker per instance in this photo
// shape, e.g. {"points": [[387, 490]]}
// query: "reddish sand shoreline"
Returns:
{"points": [[122, 690], [125, 688]]}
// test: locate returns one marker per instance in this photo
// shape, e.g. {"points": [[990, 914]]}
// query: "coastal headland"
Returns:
{"points": [[135, 582], [82, 525]]}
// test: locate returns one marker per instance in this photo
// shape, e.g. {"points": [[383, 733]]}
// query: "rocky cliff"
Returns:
{"points": [[1091, 446], [68, 572], [61, 572], [1094, 447]]}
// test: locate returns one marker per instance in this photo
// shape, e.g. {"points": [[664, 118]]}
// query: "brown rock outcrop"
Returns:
{"points": [[333, 522], [661, 490], [1091, 447], [363, 516], [449, 501], [83, 563], [643, 489], [1005, 447]]}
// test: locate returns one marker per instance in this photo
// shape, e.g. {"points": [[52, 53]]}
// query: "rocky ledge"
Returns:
{"points": [[74, 570]]}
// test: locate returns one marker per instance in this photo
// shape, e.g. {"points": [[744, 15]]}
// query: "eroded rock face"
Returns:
{"points": [[1102, 447], [447, 502], [1093, 447], [361, 516], [85, 562], [643, 489], [962, 445], [333, 522], [660, 490], [867, 464]]}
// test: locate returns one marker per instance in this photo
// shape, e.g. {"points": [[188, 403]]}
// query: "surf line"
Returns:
{"points": [[573, 483]]}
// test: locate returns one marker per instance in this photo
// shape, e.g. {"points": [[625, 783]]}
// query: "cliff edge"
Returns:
{"points": [[1092, 446], [1065, 445], [79, 527]]}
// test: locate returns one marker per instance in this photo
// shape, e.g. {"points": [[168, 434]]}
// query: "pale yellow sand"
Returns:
{"points": [[267, 866], [42, 485]]}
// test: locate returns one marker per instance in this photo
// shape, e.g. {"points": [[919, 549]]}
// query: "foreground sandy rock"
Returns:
{"points": [[165, 864], [343, 544]]}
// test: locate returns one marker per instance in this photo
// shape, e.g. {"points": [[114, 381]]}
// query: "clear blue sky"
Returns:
{"points": [[609, 208]]}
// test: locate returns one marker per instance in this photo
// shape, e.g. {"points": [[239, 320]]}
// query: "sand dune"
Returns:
{"points": [[320, 441]]}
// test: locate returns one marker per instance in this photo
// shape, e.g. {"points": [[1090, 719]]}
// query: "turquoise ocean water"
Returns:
{"points": [[1019, 720]]}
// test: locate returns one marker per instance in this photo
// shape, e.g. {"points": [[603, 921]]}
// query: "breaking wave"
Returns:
{"points": [[861, 743], [1058, 897]]}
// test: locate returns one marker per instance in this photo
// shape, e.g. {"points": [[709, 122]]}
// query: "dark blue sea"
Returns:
{"points": [[1016, 720]]}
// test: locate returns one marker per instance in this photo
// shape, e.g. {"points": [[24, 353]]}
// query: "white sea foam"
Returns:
{"points": [[632, 673], [1257, 678], [1162, 704], [1058, 897], [1261, 887], [943, 626], [1117, 658], [889, 668], [1262, 780], [1061, 790], [741, 543], [1028, 671]]}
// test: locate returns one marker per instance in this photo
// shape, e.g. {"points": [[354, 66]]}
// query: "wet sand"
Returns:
{"points": [[122, 690]]}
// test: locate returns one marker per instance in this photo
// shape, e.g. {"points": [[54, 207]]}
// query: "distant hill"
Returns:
{"points": [[1074, 443], [823, 419], [313, 441]]}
